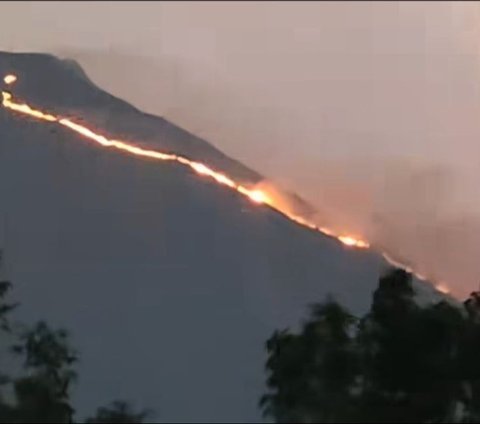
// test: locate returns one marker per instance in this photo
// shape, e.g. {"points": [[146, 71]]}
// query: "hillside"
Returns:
{"points": [[169, 283]]}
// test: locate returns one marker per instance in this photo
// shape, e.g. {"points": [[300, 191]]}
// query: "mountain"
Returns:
{"points": [[169, 283]]}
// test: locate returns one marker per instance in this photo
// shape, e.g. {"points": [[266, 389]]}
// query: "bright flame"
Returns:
{"points": [[24, 108], [258, 196], [350, 241], [254, 194], [9, 79]]}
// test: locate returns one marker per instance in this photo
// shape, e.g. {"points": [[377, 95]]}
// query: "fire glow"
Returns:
{"points": [[257, 196]]}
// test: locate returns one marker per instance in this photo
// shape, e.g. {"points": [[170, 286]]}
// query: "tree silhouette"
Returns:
{"points": [[118, 412], [408, 367], [42, 393], [311, 374], [469, 366], [399, 363]]}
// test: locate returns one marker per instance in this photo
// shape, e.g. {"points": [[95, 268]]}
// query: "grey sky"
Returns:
{"points": [[370, 110]]}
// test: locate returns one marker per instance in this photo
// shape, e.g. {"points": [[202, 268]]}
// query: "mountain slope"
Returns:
{"points": [[62, 87], [169, 283]]}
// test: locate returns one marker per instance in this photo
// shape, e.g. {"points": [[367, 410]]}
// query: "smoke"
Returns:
{"points": [[370, 111]]}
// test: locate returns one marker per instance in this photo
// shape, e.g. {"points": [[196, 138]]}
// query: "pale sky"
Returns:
{"points": [[369, 110]]}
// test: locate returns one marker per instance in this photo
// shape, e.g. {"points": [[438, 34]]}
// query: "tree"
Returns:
{"points": [[5, 308], [6, 410], [401, 363], [312, 375], [439, 384], [409, 363], [118, 412], [469, 366], [387, 338], [42, 394]]}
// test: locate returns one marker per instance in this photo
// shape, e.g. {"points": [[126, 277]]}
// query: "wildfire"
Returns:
{"points": [[255, 195]]}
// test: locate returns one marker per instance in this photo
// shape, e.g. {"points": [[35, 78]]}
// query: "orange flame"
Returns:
{"points": [[24, 108], [255, 195]]}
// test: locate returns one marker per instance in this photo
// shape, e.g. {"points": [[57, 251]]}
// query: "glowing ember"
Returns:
{"points": [[9, 79], [350, 241], [255, 195]]}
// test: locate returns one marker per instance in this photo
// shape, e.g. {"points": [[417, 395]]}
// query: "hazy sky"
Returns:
{"points": [[369, 110]]}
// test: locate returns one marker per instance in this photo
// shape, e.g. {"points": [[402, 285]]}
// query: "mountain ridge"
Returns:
{"points": [[169, 284]]}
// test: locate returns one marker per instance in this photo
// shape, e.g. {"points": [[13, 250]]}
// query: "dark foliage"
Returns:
{"points": [[399, 363], [118, 412], [42, 393]]}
